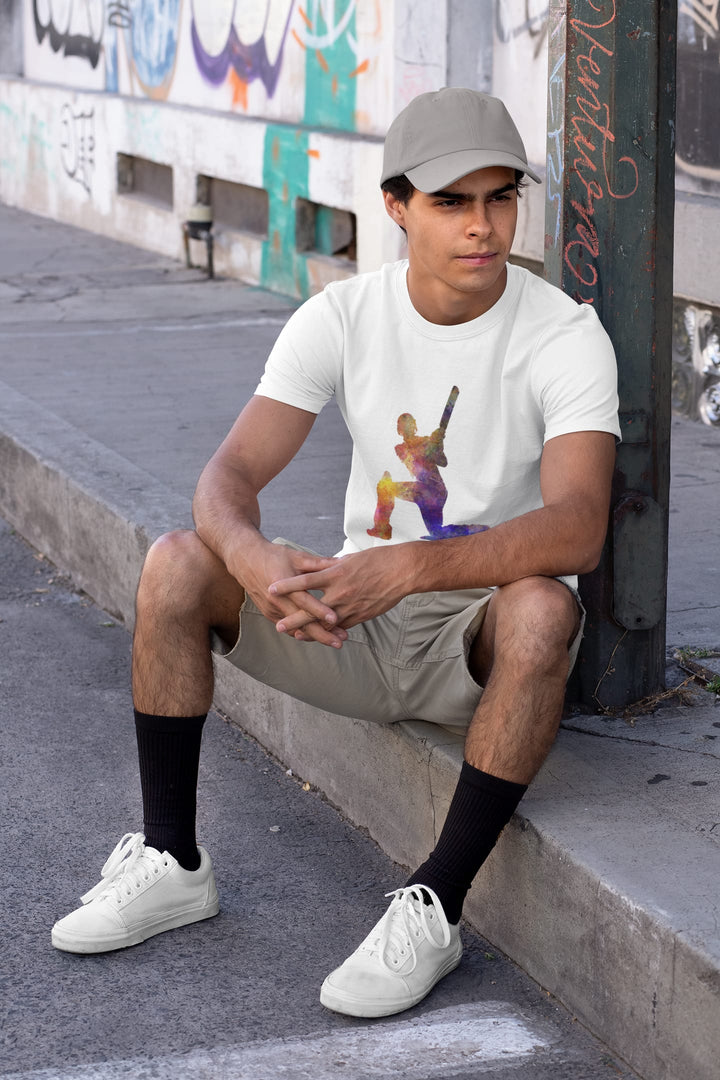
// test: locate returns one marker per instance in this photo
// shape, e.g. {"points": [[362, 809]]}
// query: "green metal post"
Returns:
{"points": [[609, 243]]}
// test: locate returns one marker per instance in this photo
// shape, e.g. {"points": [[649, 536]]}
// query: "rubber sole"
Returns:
{"points": [[341, 1001], [73, 944]]}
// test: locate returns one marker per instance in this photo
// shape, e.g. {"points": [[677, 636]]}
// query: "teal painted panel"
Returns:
{"points": [[285, 178], [330, 81]]}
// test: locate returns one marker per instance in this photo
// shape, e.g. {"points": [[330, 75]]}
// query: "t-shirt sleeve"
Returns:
{"points": [[305, 364], [575, 377]]}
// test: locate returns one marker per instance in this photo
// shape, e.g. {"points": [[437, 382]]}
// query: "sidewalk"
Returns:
{"points": [[120, 373], [235, 997]]}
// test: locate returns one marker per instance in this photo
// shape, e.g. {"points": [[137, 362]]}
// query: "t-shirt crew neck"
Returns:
{"points": [[448, 423], [454, 331]]}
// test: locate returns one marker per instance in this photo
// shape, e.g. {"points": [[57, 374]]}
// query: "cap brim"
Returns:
{"points": [[437, 174]]}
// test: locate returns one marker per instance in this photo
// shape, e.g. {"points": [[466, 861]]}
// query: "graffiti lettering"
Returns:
{"points": [[75, 29], [592, 140], [119, 15], [704, 13], [223, 39], [77, 144], [335, 26], [555, 143]]}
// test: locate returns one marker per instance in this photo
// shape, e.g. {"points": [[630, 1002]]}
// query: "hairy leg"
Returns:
{"points": [[521, 658], [185, 592]]}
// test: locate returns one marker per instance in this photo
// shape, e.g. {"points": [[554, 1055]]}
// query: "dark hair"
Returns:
{"points": [[521, 182], [401, 189]]}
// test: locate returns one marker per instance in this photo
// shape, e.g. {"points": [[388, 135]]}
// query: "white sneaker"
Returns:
{"points": [[411, 948], [142, 892]]}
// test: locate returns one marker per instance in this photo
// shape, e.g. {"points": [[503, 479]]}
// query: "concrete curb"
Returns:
{"points": [[599, 922]]}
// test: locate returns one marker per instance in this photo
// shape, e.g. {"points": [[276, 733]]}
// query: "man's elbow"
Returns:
{"points": [[588, 565], [591, 551]]}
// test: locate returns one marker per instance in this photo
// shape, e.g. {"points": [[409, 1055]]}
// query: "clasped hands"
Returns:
{"points": [[354, 588]]}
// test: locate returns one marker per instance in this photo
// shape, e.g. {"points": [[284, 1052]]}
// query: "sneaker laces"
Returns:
{"points": [[130, 863], [405, 921]]}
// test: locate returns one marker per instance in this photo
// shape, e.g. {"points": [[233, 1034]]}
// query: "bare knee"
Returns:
{"points": [[544, 608], [530, 626], [178, 574]]}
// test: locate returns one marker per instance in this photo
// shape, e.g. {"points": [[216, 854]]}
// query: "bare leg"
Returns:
{"points": [[521, 658], [184, 592]]}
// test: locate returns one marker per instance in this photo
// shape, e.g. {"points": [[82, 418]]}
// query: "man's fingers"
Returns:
{"points": [[316, 563], [307, 608], [302, 624], [332, 640], [305, 625], [313, 631], [290, 623], [301, 583]]}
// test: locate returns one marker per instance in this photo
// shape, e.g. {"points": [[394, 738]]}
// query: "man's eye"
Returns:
{"points": [[449, 202]]}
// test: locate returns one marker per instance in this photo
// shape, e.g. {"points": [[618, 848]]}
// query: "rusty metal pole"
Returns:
{"points": [[609, 243]]}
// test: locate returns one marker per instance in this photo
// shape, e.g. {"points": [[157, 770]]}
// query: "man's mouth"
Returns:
{"points": [[477, 258]]}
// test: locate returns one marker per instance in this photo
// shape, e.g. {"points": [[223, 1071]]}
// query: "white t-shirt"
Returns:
{"points": [[535, 366]]}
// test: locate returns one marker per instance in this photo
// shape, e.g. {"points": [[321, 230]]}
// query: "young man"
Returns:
{"points": [[447, 602]]}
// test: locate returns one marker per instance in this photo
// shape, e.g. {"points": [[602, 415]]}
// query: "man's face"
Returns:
{"points": [[458, 243]]}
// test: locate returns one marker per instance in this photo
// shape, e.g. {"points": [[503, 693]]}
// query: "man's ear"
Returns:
{"points": [[395, 209]]}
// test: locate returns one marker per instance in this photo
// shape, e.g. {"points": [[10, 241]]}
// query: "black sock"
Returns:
{"points": [[169, 754], [480, 809]]}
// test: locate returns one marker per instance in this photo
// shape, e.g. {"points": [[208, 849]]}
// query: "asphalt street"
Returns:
{"points": [[237, 996]]}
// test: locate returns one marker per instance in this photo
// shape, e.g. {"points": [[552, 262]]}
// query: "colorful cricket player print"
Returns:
{"points": [[423, 456]]}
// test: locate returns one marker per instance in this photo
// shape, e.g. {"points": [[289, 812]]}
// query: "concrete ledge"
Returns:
{"points": [[51, 477], [584, 891], [623, 932]]}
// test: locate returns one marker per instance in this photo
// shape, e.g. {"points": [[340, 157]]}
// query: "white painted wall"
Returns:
{"points": [[209, 86]]}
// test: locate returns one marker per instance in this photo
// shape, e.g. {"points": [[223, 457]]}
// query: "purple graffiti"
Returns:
{"points": [[249, 61]]}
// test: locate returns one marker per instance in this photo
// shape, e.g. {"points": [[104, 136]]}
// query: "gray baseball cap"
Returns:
{"points": [[448, 133]]}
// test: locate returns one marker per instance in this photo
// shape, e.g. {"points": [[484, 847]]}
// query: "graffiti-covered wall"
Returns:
{"points": [[269, 115], [298, 63], [270, 112]]}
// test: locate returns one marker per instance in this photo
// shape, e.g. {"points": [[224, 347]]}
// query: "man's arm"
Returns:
{"points": [[263, 440], [565, 536]]}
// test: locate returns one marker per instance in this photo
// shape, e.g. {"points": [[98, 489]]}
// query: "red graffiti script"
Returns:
{"points": [[593, 139]]}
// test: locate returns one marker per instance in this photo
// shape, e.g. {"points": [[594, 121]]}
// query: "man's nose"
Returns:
{"points": [[479, 223]]}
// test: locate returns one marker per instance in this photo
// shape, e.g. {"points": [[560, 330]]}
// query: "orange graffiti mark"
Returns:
{"points": [[334, 85], [304, 17], [300, 42], [239, 89], [276, 150], [321, 61], [313, 153], [276, 242], [285, 192], [359, 69]]}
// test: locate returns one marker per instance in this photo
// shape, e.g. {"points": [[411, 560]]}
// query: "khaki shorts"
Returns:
{"points": [[410, 663]]}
